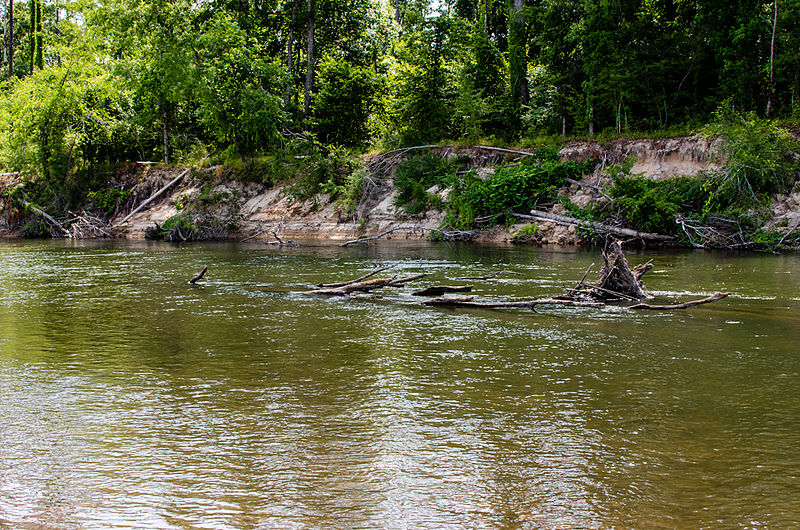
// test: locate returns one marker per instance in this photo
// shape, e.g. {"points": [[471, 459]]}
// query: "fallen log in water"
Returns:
{"points": [[366, 286], [439, 290], [467, 301], [199, 276], [602, 228]]}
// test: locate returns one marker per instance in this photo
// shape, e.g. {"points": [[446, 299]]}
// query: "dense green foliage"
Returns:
{"points": [[187, 78], [509, 189], [281, 88]]}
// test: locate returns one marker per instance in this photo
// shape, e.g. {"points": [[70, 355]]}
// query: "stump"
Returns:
{"points": [[617, 280]]}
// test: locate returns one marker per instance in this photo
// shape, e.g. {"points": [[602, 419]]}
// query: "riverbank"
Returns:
{"points": [[228, 205]]}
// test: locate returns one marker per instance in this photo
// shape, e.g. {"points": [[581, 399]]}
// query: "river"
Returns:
{"points": [[130, 398]]}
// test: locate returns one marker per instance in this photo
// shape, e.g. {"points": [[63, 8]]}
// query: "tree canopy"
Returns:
{"points": [[85, 84]]}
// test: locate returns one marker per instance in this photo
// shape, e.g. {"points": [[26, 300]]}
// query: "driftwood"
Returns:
{"points": [[439, 290], [366, 286], [83, 225], [618, 282], [488, 276], [684, 305], [199, 276], [361, 279], [616, 276], [602, 228], [254, 235], [467, 301], [280, 242]]}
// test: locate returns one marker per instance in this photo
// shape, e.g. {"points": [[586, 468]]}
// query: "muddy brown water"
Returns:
{"points": [[130, 398]]}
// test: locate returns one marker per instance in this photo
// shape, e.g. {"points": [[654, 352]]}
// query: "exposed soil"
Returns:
{"points": [[259, 210]]}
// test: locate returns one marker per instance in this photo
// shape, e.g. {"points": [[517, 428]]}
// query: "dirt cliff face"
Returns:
{"points": [[263, 209], [656, 158]]}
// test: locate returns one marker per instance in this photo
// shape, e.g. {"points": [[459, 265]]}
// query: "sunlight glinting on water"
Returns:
{"points": [[130, 398]]}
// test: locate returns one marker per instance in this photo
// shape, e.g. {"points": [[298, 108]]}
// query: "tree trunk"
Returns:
{"points": [[309, 57], [289, 53], [165, 132], [517, 51], [487, 6], [10, 38], [771, 88], [591, 118], [39, 36]]}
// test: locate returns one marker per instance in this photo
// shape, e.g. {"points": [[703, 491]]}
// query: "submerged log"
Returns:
{"points": [[467, 301], [199, 276], [713, 298], [366, 286], [439, 290]]}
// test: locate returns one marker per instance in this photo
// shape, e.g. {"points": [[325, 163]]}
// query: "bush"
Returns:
{"points": [[509, 189], [651, 205], [759, 158]]}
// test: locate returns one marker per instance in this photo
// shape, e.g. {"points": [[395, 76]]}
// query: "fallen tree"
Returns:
{"points": [[618, 283], [365, 286], [601, 228]]}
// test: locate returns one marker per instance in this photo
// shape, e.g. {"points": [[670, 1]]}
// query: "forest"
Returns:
{"points": [[90, 85]]}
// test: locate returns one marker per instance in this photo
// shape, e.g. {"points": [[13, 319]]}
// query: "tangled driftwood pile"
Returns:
{"points": [[618, 283]]}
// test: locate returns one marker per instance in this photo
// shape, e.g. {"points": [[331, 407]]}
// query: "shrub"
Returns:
{"points": [[509, 189], [759, 158]]}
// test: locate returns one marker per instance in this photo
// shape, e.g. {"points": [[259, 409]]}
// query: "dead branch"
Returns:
{"points": [[488, 276], [361, 279], [159, 192], [502, 150], [439, 290], [199, 276], [583, 278], [712, 298], [280, 242], [345, 290], [602, 228], [255, 235]]}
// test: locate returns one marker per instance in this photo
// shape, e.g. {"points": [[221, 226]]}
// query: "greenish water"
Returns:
{"points": [[130, 398]]}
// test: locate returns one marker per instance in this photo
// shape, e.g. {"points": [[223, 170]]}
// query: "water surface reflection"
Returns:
{"points": [[130, 398]]}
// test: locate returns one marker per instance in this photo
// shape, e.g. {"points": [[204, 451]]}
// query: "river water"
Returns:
{"points": [[130, 398]]}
